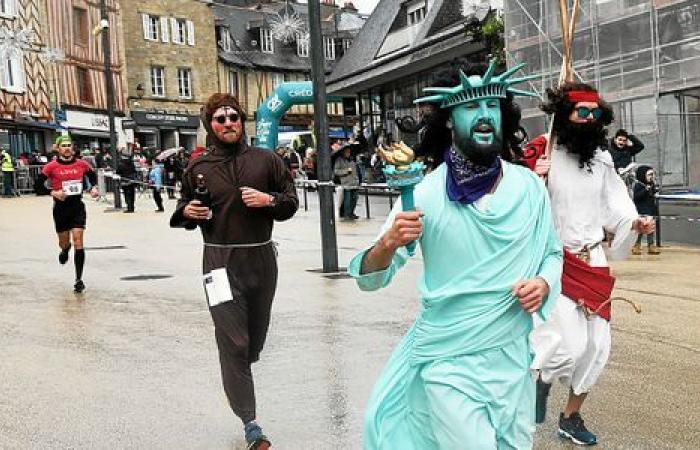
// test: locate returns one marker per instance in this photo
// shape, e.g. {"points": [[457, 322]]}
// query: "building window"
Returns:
{"points": [[225, 42], [266, 42], [179, 28], [302, 47], [8, 8], [150, 27], [184, 82], [158, 81], [12, 73], [80, 26], [84, 85], [233, 83], [329, 48], [347, 43], [416, 13]]}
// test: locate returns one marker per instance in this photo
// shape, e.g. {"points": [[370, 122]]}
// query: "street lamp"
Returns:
{"points": [[325, 183], [140, 90], [103, 28]]}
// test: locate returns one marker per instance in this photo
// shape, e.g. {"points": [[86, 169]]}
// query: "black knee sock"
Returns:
{"points": [[79, 259]]}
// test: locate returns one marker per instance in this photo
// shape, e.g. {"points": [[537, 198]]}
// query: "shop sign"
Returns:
{"points": [[154, 118], [85, 120]]}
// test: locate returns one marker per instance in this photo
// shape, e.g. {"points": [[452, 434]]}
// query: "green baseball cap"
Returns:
{"points": [[63, 138]]}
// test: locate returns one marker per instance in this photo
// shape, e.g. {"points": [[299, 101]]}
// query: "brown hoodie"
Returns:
{"points": [[227, 168]]}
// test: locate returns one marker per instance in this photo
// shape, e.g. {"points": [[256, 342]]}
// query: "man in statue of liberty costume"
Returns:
{"points": [[460, 378]]}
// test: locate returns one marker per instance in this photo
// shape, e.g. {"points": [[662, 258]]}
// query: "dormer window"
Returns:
{"points": [[416, 12], [225, 42], [329, 48], [302, 47], [266, 43]]}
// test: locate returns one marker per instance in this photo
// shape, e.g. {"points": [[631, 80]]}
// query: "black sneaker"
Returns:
{"points": [[63, 256], [573, 428], [541, 401], [79, 286]]}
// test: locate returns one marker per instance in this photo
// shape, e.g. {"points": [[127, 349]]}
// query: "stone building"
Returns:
{"points": [[171, 60]]}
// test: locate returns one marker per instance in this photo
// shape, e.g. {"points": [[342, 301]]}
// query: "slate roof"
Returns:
{"points": [[383, 51], [243, 19]]}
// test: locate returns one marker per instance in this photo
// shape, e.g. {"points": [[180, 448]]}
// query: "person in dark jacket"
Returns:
{"points": [[127, 171], [623, 148], [645, 190], [247, 188]]}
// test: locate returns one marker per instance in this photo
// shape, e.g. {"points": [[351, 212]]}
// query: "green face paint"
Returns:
{"points": [[478, 121]]}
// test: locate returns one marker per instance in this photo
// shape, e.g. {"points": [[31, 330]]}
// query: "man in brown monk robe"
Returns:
{"points": [[247, 188]]}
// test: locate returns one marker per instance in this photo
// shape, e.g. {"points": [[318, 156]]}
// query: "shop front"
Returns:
{"points": [[160, 131], [91, 130], [26, 136]]}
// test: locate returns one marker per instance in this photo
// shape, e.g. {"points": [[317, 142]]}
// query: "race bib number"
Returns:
{"points": [[72, 187], [217, 286]]}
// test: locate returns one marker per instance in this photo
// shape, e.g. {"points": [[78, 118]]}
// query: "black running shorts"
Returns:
{"points": [[67, 216]]}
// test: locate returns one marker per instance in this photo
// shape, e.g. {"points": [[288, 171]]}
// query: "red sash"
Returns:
{"points": [[588, 286]]}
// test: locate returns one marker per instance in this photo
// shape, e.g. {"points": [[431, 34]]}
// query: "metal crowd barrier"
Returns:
{"points": [[25, 177], [366, 189]]}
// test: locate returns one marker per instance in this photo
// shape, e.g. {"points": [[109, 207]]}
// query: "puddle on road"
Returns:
{"points": [[145, 277]]}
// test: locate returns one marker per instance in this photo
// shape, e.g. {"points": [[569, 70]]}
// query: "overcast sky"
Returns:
{"points": [[365, 6]]}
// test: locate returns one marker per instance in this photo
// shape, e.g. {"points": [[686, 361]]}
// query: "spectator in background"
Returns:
{"points": [[99, 158], [645, 190], [345, 168], [155, 181], [623, 148], [8, 172], [170, 167], [127, 171]]}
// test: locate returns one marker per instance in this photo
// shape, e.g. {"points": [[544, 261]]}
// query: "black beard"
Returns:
{"points": [[480, 154], [581, 139]]}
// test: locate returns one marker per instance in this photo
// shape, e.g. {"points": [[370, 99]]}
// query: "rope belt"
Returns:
{"points": [[585, 253], [589, 313], [251, 245]]}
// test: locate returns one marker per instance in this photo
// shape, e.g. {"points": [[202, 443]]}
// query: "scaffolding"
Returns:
{"points": [[642, 55]]}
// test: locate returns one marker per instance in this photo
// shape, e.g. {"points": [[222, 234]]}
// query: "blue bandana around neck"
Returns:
{"points": [[466, 181]]}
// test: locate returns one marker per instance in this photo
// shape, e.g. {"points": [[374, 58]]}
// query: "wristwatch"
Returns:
{"points": [[273, 200]]}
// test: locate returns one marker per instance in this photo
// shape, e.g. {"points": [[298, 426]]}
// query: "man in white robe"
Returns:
{"points": [[587, 197]]}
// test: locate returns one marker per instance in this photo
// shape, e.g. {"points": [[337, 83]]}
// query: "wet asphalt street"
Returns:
{"points": [[132, 364]]}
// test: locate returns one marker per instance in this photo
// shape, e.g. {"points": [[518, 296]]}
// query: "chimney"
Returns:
{"points": [[349, 6]]}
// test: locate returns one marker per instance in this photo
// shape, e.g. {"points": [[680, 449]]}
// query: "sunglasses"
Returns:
{"points": [[583, 112], [233, 117]]}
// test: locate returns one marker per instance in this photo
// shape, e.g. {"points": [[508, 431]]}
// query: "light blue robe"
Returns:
{"points": [[460, 377]]}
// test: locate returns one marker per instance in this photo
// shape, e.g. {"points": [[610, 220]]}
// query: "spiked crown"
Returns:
{"points": [[477, 88]]}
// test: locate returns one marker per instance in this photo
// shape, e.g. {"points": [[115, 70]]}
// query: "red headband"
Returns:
{"points": [[582, 96]]}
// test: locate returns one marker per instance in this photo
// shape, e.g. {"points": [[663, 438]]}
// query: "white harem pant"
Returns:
{"points": [[570, 347]]}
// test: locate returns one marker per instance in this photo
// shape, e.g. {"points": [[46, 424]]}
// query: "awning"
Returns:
{"points": [[89, 133], [29, 124], [190, 131]]}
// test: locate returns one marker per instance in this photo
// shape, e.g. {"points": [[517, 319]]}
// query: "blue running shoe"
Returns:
{"points": [[255, 438], [573, 428]]}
